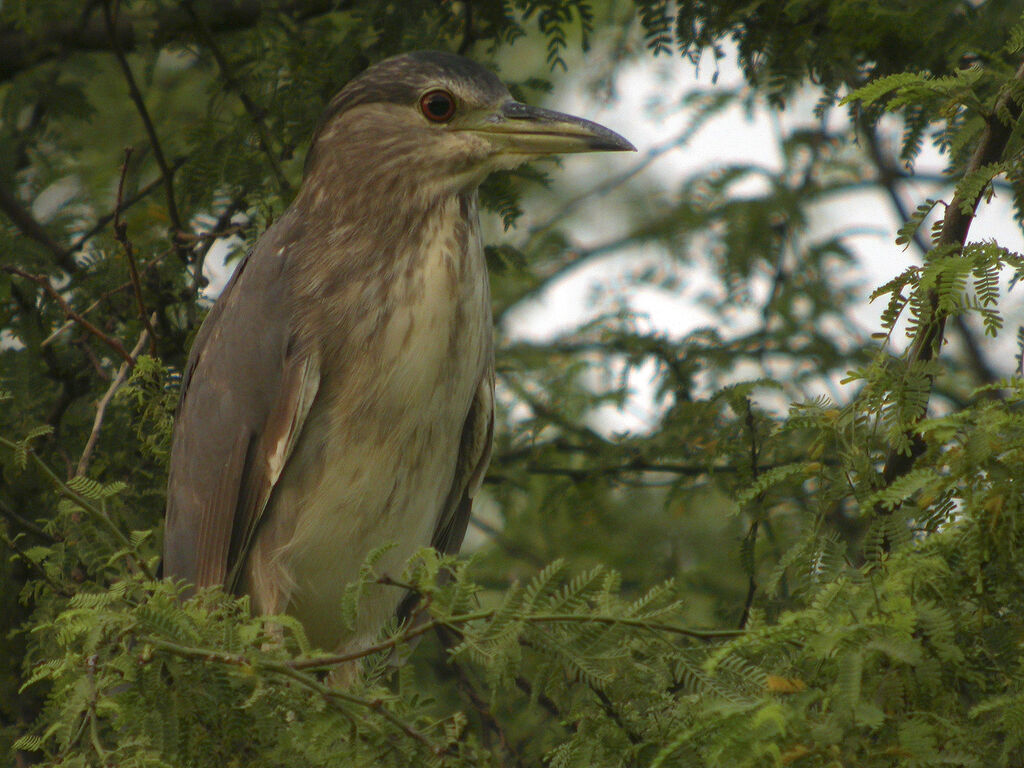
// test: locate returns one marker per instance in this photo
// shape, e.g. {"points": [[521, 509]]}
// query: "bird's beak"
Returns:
{"points": [[519, 129]]}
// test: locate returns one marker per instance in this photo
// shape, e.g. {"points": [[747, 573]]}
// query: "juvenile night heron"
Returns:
{"points": [[340, 394]]}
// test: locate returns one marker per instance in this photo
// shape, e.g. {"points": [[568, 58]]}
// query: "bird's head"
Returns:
{"points": [[443, 121]]}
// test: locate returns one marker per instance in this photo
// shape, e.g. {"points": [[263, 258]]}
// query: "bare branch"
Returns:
{"points": [[101, 406]]}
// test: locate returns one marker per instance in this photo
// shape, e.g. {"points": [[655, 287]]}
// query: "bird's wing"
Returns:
{"points": [[474, 456], [245, 396]]}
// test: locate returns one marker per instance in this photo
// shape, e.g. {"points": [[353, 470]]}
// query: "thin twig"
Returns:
{"points": [[33, 565], [545, 701], [221, 228], [452, 622], [101, 407], [101, 223], [255, 113], [155, 262], [121, 236], [511, 548], [447, 641], [615, 716], [604, 187], [140, 106], [43, 282], [543, 411]]}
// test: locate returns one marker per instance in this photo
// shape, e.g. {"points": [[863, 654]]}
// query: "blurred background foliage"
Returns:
{"points": [[805, 552]]}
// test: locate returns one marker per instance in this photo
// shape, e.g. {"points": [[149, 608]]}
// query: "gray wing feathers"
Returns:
{"points": [[474, 456], [244, 397], [280, 432]]}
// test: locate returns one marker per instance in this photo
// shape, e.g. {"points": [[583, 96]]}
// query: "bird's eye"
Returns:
{"points": [[438, 106]]}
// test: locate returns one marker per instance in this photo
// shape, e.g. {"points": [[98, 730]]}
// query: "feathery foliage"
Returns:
{"points": [[805, 554]]}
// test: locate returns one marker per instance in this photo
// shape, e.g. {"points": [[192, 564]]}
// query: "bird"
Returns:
{"points": [[339, 395]]}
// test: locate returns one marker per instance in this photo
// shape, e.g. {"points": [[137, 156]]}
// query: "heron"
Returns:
{"points": [[339, 395]]}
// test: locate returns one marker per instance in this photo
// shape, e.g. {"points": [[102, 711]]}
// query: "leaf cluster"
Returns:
{"points": [[807, 553]]}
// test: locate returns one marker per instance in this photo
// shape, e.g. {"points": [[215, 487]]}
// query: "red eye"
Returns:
{"points": [[438, 106]]}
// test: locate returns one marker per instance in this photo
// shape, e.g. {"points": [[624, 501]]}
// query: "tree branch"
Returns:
{"points": [[26, 525], [292, 672], [887, 178], [750, 540], [140, 106], [101, 407], [98, 514], [63, 37], [955, 226], [32, 229], [43, 282], [453, 622], [102, 222], [121, 236]]}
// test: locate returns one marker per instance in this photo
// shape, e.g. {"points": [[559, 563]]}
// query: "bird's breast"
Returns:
{"points": [[377, 455]]}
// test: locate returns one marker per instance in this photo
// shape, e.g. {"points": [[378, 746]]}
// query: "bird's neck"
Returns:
{"points": [[351, 262]]}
